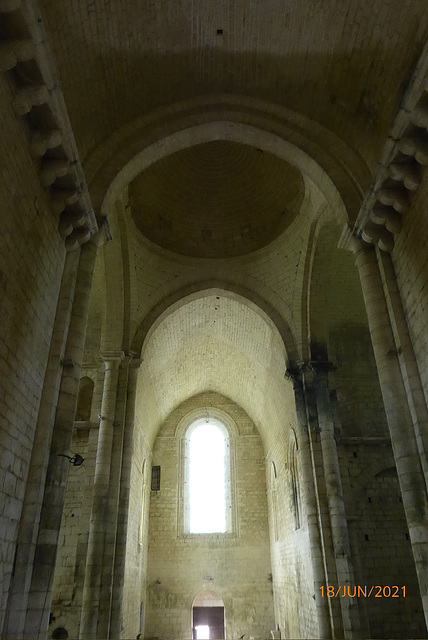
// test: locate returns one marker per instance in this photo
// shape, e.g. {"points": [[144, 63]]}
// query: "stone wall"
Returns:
{"points": [[134, 595], [380, 543], [290, 549], [31, 261], [355, 381], [73, 539], [339, 322], [235, 565]]}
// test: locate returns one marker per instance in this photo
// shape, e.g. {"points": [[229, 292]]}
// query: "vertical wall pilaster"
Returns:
{"points": [[407, 358], [310, 506], [403, 439], [335, 500], [329, 558], [100, 526], [123, 503]]}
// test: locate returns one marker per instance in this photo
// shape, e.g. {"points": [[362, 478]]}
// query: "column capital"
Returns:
{"points": [[320, 366], [132, 359], [295, 371], [371, 235], [112, 358], [135, 363], [131, 363], [352, 242]]}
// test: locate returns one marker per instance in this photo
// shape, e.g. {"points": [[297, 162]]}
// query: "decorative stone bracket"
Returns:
{"points": [[25, 55], [398, 172]]}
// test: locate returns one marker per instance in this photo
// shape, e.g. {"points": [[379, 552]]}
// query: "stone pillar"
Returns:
{"points": [[112, 500], [30, 517], [329, 559], [336, 503], [123, 503], [406, 358], [311, 510], [403, 439], [101, 525], [43, 567]]}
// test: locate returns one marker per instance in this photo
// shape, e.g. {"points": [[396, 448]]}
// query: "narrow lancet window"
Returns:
{"points": [[208, 492]]}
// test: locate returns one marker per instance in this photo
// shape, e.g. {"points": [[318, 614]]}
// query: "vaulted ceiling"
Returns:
{"points": [[341, 63], [219, 137], [234, 197], [214, 342]]}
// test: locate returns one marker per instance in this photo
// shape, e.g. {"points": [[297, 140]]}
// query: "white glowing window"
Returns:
{"points": [[202, 632], [207, 490]]}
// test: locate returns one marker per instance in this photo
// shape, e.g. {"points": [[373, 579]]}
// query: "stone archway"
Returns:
{"points": [[307, 145], [208, 615]]}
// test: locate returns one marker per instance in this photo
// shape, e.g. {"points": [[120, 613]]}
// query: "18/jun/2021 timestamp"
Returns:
{"points": [[376, 591]]}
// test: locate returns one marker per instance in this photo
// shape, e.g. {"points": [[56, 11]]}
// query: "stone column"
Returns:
{"points": [[329, 558], [310, 504], [403, 439], [111, 522], [101, 524], [406, 358], [30, 517], [123, 503], [336, 503], [40, 590]]}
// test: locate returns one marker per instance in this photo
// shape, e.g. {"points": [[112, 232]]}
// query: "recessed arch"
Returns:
{"points": [[208, 413], [84, 399], [234, 132], [305, 144], [373, 470], [293, 445], [333, 285], [198, 290], [213, 342], [274, 473], [208, 598]]}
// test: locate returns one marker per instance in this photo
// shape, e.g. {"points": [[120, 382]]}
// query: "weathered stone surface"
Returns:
{"points": [[221, 147]]}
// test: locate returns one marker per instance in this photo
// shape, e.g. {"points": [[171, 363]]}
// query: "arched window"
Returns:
{"points": [[207, 499]]}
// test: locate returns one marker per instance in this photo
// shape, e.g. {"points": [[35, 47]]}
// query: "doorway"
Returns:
{"points": [[208, 616]]}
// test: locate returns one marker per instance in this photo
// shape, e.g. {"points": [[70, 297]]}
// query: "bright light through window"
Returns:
{"points": [[202, 632], [207, 449]]}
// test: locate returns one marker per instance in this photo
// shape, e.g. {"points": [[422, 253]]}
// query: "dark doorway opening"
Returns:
{"points": [[211, 618]]}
